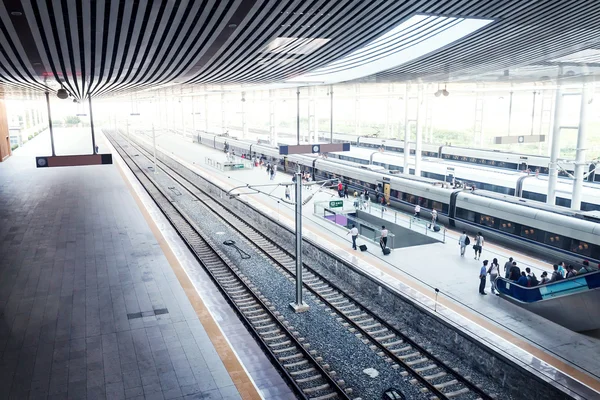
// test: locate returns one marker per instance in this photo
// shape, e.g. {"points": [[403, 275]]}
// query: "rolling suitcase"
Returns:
{"points": [[386, 251], [363, 247], [436, 228]]}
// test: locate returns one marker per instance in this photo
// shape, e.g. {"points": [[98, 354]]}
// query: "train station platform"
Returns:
{"points": [[99, 298], [560, 355]]}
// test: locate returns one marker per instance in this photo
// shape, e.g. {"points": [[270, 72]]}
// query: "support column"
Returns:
{"points": [[182, 105], [406, 130], [272, 123], [357, 109], [206, 122], [298, 116], [580, 164], [244, 126], [223, 112], [91, 128], [478, 123], [555, 148], [312, 115], [419, 122], [331, 114], [50, 123]]}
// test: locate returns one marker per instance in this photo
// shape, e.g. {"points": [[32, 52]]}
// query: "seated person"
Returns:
{"points": [[523, 281], [556, 276]]}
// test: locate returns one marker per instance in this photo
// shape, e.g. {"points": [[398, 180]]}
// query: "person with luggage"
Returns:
{"points": [[433, 219], [417, 211], [340, 189], [463, 242], [494, 270], [354, 233], [383, 238], [478, 246]]}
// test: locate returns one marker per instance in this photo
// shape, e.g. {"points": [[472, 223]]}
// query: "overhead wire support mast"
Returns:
{"points": [[298, 305]]}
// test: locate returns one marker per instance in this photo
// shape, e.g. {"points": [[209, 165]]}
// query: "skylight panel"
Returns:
{"points": [[294, 45], [418, 36]]}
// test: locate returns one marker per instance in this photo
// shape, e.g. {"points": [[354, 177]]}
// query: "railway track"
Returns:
{"points": [[303, 370], [440, 380]]}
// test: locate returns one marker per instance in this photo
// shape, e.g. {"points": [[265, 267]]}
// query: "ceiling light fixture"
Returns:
{"points": [[445, 92], [16, 13], [414, 38], [439, 92], [294, 45], [62, 94]]}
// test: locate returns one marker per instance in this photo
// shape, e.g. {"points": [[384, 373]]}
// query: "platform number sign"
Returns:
{"points": [[316, 148], [336, 203]]}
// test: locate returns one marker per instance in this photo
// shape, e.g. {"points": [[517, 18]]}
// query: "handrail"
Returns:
{"points": [[563, 287]]}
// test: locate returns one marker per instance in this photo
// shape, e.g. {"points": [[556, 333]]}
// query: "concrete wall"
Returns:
{"points": [[522, 383], [404, 237]]}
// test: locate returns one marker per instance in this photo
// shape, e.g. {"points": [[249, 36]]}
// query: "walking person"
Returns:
{"points": [[273, 172], [383, 238], [433, 219], [346, 191], [417, 211], [463, 242], [354, 233], [493, 271], [507, 267], [383, 203], [482, 275], [287, 192], [478, 246]]}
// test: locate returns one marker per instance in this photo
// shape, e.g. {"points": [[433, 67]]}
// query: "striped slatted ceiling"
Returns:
{"points": [[104, 46]]}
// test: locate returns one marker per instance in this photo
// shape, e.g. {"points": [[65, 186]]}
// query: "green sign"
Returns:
{"points": [[336, 203], [239, 166]]}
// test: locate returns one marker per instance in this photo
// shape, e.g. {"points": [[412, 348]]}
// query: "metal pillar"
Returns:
{"points": [[272, 124], [331, 114], [50, 123], [580, 164], [182, 105], [545, 126], [206, 123], [244, 126], [418, 147], [406, 131], [555, 149], [357, 109], [533, 113], [299, 305], [313, 125], [222, 112], [92, 126], [154, 148], [193, 116], [478, 123], [298, 116]]}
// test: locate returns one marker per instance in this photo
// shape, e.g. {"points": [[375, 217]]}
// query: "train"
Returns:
{"points": [[553, 232], [466, 155]]}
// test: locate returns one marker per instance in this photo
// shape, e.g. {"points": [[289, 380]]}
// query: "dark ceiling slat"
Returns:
{"points": [[104, 46]]}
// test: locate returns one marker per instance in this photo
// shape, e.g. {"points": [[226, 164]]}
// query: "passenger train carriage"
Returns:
{"points": [[551, 231]]}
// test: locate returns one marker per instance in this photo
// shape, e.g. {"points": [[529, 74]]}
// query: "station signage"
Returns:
{"points": [[336, 203]]}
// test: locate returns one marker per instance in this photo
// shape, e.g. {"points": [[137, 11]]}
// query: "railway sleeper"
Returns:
{"points": [[314, 389], [332, 395], [303, 371], [418, 361], [285, 350], [457, 393], [308, 379], [296, 364], [385, 337], [285, 343], [410, 355], [278, 337], [400, 350], [445, 384], [426, 368], [377, 332], [291, 357]]}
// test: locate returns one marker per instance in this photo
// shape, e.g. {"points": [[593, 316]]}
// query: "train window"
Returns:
{"points": [[505, 226], [465, 214], [409, 198], [534, 196], [486, 220], [579, 247], [590, 207], [556, 240], [530, 233], [437, 205], [561, 201]]}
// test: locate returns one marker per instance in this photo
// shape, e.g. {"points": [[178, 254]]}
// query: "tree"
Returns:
{"points": [[72, 120]]}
